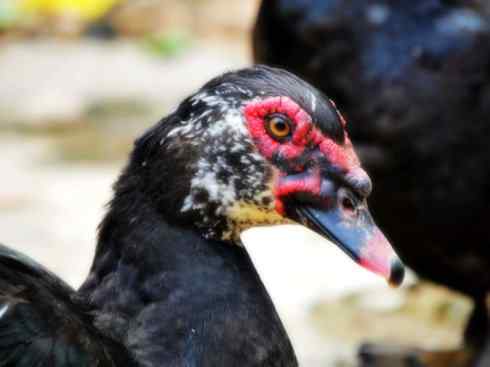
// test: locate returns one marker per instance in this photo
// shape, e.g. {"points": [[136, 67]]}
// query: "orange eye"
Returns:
{"points": [[278, 126]]}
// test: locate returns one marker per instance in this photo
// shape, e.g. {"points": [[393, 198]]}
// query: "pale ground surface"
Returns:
{"points": [[50, 209]]}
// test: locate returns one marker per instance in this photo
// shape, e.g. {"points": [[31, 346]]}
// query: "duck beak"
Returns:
{"points": [[343, 217]]}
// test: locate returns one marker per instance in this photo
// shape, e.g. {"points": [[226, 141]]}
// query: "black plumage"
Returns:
{"points": [[41, 324], [170, 284], [413, 78]]}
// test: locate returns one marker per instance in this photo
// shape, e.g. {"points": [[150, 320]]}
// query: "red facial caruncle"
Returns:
{"points": [[306, 142]]}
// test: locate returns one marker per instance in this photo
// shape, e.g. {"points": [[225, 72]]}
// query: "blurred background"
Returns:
{"points": [[80, 79]]}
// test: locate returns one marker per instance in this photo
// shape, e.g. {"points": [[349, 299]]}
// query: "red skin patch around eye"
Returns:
{"points": [[286, 185], [255, 113], [304, 134], [342, 157]]}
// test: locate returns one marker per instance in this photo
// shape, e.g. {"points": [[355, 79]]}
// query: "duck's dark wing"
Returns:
{"points": [[40, 324]]}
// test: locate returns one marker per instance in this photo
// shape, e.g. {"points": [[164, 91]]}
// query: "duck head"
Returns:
{"points": [[257, 147]]}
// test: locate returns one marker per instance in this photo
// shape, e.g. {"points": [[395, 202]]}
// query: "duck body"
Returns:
{"points": [[42, 323], [198, 305], [415, 77], [171, 284]]}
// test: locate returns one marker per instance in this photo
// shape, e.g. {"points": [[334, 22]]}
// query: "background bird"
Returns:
{"points": [[414, 76], [170, 284]]}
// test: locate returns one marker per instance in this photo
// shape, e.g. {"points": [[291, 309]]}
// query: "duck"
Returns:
{"points": [[415, 77], [171, 284]]}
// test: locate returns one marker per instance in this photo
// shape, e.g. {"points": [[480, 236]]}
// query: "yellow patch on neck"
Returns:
{"points": [[244, 215]]}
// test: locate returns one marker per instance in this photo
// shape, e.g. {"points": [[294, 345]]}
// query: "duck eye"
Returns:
{"points": [[278, 126]]}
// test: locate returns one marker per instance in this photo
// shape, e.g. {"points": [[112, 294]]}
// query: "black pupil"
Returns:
{"points": [[280, 125]]}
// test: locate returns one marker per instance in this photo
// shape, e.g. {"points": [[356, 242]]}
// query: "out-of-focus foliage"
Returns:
{"points": [[167, 44], [9, 13], [85, 9], [128, 18]]}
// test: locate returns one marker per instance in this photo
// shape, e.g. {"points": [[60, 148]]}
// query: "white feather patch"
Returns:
{"points": [[3, 310]]}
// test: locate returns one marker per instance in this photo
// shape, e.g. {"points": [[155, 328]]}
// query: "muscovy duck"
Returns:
{"points": [[170, 284], [415, 75]]}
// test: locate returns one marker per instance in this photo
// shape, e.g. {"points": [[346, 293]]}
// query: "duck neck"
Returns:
{"points": [[142, 257], [135, 242], [150, 271]]}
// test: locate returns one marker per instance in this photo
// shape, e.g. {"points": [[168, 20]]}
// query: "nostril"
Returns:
{"points": [[348, 204]]}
